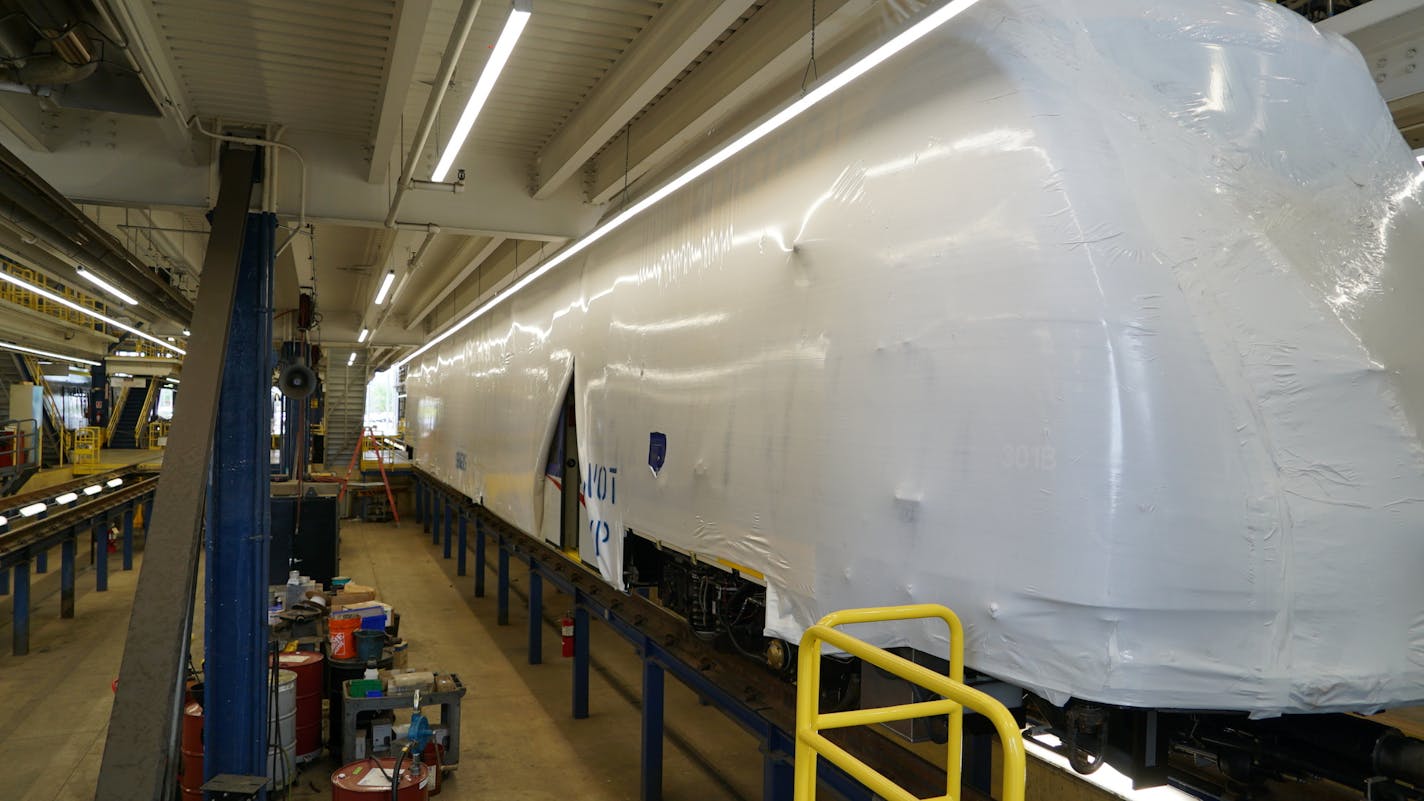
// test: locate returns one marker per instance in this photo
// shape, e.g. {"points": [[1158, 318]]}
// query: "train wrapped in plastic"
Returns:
{"points": [[1096, 321]]}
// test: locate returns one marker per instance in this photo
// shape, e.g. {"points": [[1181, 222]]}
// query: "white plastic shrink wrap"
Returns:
{"points": [[1098, 321]]}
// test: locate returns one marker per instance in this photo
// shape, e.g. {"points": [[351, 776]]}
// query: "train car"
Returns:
{"points": [[1093, 320]]}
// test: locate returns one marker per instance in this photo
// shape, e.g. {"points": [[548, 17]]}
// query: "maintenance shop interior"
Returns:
{"points": [[712, 400]]}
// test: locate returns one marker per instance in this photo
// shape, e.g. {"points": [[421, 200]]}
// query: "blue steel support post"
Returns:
{"points": [[536, 616], [652, 778], [419, 489], [778, 773], [442, 506], [479, 557], [128, 537], [101, 555], [464, 543], [42, 561], [449, 520], [429, 508], [580, 695], [502, 586], [66, 577], [238, 524], [20, 631], [4, 582]]}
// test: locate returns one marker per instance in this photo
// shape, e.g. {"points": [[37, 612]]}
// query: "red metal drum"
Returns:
{"points": [[191, 778], [346, 782], [309, 667]]}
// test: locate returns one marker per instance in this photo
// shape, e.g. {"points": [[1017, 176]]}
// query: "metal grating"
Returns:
{"points": [[568, 46], [312, 65]]}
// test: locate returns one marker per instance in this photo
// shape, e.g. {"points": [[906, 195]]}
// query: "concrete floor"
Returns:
{"points": [[519, 741]]}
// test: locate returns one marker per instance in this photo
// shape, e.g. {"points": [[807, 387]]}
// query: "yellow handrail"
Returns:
{"points": [[38, 303], [87, 442], [115, 412], [147, 411], [810, 721]]}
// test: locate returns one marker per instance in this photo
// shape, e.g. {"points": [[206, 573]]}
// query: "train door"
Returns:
{"points": [[563, 516]]}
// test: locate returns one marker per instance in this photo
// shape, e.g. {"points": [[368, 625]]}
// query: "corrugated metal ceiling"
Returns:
{"points": [[312, 65]]}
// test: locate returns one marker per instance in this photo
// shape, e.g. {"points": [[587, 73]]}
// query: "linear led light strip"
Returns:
{"points": [[832, 85], [106, 286], [38, 352], [499, 56], [63, 301]]}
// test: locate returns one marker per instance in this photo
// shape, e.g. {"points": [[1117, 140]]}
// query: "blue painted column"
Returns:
{"points": [[128, 537], [429, 509], [652, 774], [239, 525], [449, 519], [479, 557], [501, 615], [101, 555], [42, 562], [419, 501], [20, 631], [536, 616], [580, 694], [778, 777], [441, 507], [460, 560], [66, 577], [4, 582]]}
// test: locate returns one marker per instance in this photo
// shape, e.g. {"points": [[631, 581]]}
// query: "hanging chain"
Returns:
{"points": [[812, 72]]}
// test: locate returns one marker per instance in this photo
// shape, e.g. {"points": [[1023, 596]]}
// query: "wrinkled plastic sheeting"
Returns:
{"points": [[1095, 320]]}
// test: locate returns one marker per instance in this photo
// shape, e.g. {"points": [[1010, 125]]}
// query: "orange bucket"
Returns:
{"points": [[343, 637]]}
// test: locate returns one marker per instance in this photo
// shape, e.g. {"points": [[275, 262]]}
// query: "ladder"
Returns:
{"points": [[369, 436]]}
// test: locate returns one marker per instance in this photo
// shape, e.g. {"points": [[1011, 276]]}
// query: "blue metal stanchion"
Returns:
{"points": [[101, 555], [419, 501], [502, 587], [652, 775], [778, 774], [66, 578], [4, 582], [536, 617], [460, 559], [479, 558], [441, 504], [581, 632], [42, 562], [238, 521], [128, 537], [449, 520], [430, 510], [20, 630]]}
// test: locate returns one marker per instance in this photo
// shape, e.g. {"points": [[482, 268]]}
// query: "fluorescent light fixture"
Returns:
{"points": [[123, 375], [32, 510], [173, 380], [365, 332], [106, 286], [114, 482], [499, 56], [833, 84], [385, 287], [93, 489], [187, 333], [66, 302], [4, 520], [351, 360], [171, 339], [68, 497], [38, 352], [128, 353]]}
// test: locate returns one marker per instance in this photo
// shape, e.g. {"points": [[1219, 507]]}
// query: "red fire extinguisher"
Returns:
{"points": [[566, 631]]}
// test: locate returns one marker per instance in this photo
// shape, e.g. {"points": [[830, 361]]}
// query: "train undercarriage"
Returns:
{"points": [[1209, 754]]}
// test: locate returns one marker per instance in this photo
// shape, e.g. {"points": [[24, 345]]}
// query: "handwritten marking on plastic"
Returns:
{"points": [[600, 482]]}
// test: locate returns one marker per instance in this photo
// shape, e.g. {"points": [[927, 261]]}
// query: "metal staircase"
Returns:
{"points": [[52, 429], [130, 417], [345, 395]]}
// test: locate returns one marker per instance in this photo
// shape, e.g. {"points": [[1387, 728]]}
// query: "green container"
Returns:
{"points": [[359, 687]]}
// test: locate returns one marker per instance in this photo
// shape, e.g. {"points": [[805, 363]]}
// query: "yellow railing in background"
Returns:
{"points": [[115, 412], [34, 302], [810, 721], [36, 370], [88, 441], [149, 398], [158, 435]]}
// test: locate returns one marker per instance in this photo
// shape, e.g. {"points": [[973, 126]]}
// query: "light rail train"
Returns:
{"points": [[1097, 321]]}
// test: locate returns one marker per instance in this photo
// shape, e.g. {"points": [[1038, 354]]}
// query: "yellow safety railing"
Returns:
{"points": [[149, 398], [115, 412], [158, 435], [957, 696], [87, 443], [36, 370], [38, 303]]}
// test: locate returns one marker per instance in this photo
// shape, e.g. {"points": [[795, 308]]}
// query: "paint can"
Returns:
{"points": [[342, 635]]}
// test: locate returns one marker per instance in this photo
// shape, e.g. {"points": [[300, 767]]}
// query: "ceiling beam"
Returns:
{"points": [[23, 117], [676, 36], [148, 50], [465, 272], [503, 271], [411, 19], [773, 46]]}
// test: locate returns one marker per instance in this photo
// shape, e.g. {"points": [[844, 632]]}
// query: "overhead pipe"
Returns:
{"points": [[431, 231], [459, 34], [197, 124]]}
